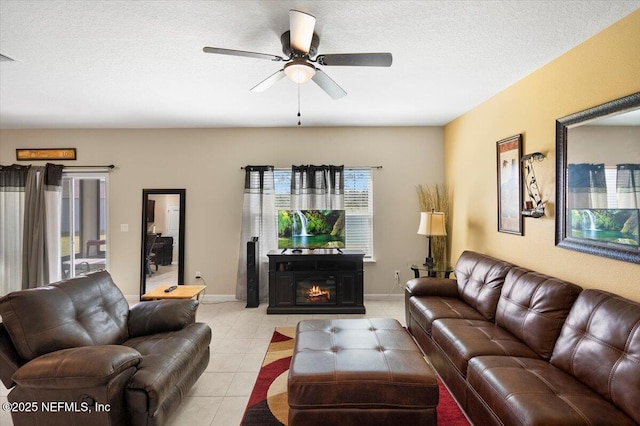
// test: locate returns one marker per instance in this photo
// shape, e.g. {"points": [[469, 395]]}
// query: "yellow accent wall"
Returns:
{"points": [[601, 69]]}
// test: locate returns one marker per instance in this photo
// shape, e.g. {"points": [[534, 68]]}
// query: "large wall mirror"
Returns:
{"points": [[598, 180], [162, 239]]}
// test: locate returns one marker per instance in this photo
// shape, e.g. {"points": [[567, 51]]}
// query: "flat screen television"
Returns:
{"points": [[311, 229], [618, 226]]}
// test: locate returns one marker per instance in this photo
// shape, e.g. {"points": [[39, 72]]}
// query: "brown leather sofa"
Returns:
{"points": [[74, 353], [516, 347]]}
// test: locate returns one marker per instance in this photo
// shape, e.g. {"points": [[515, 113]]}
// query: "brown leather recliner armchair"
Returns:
{"points": [[75, 354]]}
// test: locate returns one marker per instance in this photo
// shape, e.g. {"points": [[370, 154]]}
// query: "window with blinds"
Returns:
{"points": [[611, 175], [358, 205]]}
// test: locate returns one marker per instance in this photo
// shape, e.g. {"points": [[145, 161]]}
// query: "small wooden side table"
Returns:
{"points": [[182, 292]]}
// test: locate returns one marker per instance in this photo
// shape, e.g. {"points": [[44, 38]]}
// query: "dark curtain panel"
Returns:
{"points": [[587, 186], [317, 187], [258, 220], [628, 186], [41, 247], [13, 176], [12, 191]]}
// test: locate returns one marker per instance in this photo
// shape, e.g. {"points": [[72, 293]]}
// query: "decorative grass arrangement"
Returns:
{"points": [[436, 197]]}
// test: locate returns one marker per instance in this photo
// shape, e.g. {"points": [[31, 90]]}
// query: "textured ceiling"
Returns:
{"points": [[139, 64]]}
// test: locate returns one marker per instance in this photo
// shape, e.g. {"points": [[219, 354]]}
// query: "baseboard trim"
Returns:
{"points": [[133, 299], [382, 296], [219, 298]]}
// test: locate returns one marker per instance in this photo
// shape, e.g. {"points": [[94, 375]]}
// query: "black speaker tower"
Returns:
{"points": [[253, 274]]}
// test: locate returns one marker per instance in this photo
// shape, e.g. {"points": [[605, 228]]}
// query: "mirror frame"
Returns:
{"points": [[145, 196], [612, 251]]}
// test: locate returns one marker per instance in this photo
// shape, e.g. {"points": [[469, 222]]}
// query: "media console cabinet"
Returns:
{"points": [[316, 282]]}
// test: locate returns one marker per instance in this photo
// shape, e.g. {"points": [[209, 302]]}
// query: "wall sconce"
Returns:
{"points": [[431, 225], [534, 207]]}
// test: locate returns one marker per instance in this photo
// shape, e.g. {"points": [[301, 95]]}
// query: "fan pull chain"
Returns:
{"points": [[298, 104]]}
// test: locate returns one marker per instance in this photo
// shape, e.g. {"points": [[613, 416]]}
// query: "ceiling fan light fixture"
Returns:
{"points": [[299, 71]]}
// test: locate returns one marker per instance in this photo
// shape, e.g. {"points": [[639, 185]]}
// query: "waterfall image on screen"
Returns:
{"points": [[311, 229], [618, 226]]}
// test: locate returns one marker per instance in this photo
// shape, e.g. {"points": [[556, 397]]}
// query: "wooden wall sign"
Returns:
{"points": [[46, 154]]}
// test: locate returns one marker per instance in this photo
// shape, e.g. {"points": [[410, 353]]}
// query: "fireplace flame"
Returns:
{"points": [[317, 293]]}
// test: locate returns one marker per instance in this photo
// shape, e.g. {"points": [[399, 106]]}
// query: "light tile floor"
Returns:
{"points": [[164, 276], [240, 340]]}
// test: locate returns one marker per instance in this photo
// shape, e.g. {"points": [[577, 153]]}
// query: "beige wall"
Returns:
{"points": [[611, 145], [207, 163], [603, 68]]}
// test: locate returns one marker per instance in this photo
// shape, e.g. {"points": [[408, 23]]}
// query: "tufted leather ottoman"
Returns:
{"points": [[359, 372]]}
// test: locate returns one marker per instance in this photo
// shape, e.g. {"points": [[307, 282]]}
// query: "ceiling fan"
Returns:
{"points": [[300, 45]]}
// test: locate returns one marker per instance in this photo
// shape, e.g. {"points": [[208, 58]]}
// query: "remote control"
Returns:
{"points": [[170, 289]]}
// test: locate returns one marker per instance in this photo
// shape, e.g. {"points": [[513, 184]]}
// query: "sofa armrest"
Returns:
{"points": [[82, 367], [432, 286], [159, 316], [10, 361]]}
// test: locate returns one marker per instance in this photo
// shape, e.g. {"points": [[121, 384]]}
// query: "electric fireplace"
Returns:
{"points": [[316, 290], [320, 281]]}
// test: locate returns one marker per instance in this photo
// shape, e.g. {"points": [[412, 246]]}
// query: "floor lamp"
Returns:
{"points": [[431, 225]]}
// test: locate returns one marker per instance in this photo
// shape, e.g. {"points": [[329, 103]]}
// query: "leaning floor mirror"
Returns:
{"points": [[598, 180], [162, 238]]}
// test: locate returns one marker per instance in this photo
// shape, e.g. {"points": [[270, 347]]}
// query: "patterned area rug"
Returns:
{"points": [[268, 406]]}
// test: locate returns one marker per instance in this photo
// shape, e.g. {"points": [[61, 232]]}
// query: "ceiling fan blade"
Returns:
{"points": [[269, 81], [232, 52], [5, 58], [357, 59], [328, 85], [301, 27]]}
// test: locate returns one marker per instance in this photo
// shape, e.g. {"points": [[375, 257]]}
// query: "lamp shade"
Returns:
{"points": [[299, 71], [432, 224]]}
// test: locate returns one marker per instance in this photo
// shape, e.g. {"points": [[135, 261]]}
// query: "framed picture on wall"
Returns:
{"points": [[509, 152]]}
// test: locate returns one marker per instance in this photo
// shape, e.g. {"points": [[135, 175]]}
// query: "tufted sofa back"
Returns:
{"points": [[534, 306], [600, 345], [82, 311], [480, 279]]}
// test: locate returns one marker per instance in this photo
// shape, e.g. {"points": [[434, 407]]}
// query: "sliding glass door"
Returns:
{"points": [[84, 233]]}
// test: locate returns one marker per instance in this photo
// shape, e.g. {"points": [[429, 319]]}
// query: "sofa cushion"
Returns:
{"points": [[82, 311], [426, 309], [532, 392], [166, 358], [599, 344], [533, 307], [480, 279], [461, 340]]}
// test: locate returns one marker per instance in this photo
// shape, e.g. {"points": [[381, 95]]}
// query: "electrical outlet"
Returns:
{"points": [[396, 274], [198, 275]]}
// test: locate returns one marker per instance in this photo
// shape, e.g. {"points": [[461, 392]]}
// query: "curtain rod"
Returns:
{"points": [[90, 168], [346, 167]]}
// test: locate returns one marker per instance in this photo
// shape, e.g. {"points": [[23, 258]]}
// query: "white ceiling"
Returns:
{"points": [[139, 64]]}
